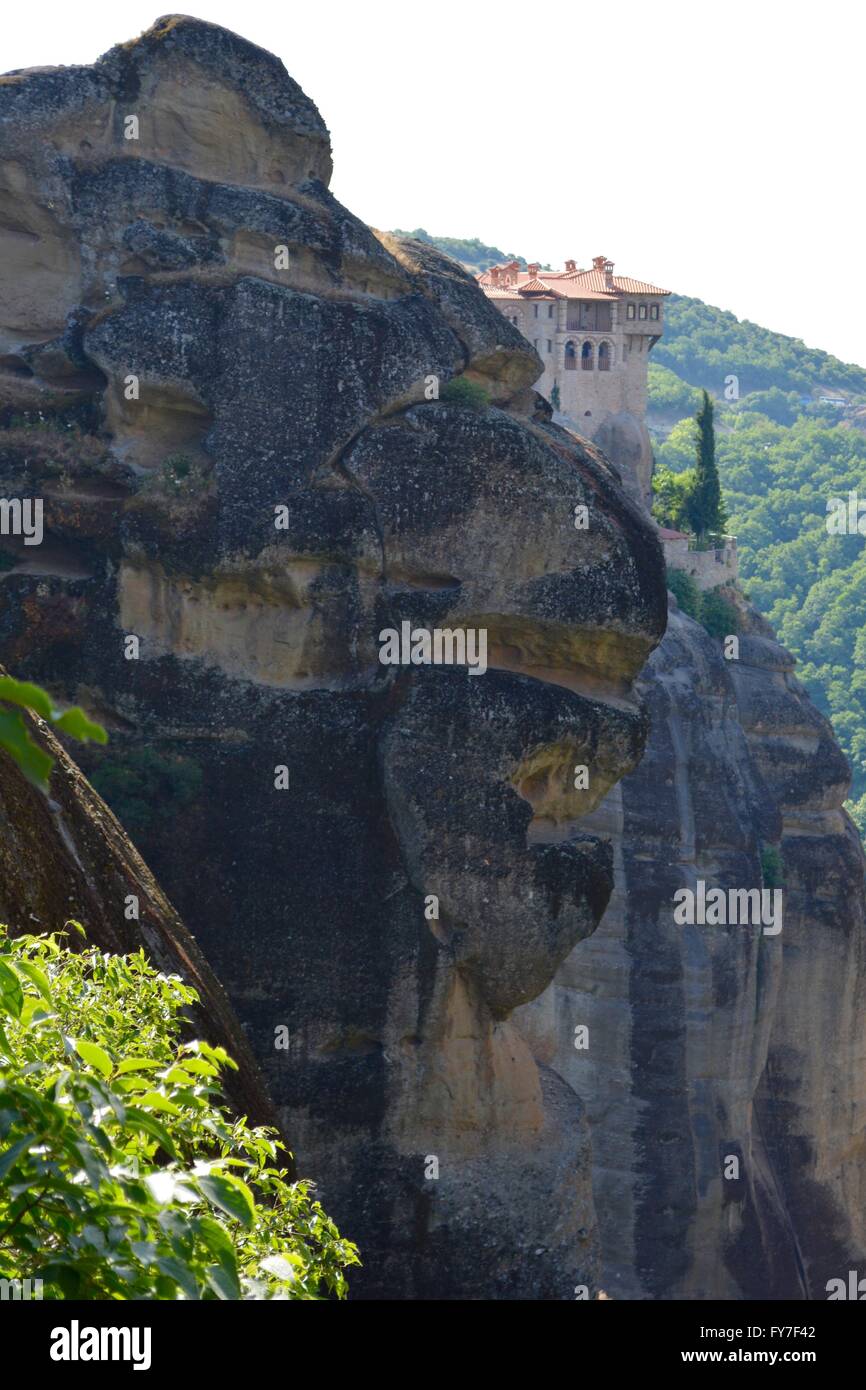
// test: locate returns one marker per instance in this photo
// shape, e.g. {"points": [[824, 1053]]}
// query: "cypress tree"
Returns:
{"points": [[704, 507]]}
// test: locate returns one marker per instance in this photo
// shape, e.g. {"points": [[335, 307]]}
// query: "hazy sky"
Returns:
{"points": [[716, 149]]}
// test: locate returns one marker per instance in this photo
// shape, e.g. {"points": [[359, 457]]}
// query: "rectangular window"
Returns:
{"points": [[550, 311], [630, 311], [535, 307], [654, 311], [549, 346], [642, 312]]}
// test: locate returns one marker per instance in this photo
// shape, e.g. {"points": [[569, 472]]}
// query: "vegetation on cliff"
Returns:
{"points": [[122, 1173]]}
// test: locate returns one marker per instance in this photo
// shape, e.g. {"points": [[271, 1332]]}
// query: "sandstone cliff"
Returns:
{"points": [[708, 1043], [231, 349], [233, 398]]}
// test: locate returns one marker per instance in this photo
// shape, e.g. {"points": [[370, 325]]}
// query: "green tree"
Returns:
{"points": [[670, 497], [123, 1174], [704, 507]]}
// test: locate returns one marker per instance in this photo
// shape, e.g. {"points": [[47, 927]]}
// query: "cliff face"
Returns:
{"points": [[64, 855], [709, 1044], [259, 481], [232, 398]]}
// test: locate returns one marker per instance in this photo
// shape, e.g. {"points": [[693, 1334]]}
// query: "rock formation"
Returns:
{"points": [[261, 472], [711, 1043], [64, 856], [257, 432]]}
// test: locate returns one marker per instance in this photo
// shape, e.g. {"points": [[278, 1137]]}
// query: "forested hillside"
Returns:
{"points": [[703, 345], [470, 252], [783, 452]]}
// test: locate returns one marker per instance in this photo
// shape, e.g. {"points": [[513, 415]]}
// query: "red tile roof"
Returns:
{"points": [[534, 287], [574, 284]]}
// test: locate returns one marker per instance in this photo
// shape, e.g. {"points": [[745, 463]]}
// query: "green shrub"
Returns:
{"points": [[671, 493], [123, 1174], [686, 592], [771, 867], [718, 614], [461, 391], [711, 609], [139, 783]]}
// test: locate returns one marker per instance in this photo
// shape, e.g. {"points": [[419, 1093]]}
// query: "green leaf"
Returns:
{"points": [[224, 1286], [155, 1101], [231, 1196], [8, 1158], [199, 1067], [144, 1123], [11, 993], [216, 1237], [26, 694], [138, 1064], [180, 1273], [39, 978], [14, 737], [75, 723], [95, 1056]]}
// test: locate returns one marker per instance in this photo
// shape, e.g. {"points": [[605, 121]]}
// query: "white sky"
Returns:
{"points": [[716, 149]]}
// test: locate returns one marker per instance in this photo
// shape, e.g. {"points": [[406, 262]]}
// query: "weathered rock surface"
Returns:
{"points": [[64, 855], [215, 344], [226, 340], [713, 1042]]}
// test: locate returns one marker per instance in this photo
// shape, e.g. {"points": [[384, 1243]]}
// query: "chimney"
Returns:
{"points": [[533, 269], [570, 267], [602, 264], [495, 272]]}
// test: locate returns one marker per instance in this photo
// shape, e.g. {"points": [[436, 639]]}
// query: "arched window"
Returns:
{"points": [[586, 357], [570, 357], [604, 357]]}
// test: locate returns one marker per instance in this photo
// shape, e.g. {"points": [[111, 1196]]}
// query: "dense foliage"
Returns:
{"points": [[141, 784], [711, 608], [123, 1174], [475, 255], [777, 482], [703, 345], [471, 252]]}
